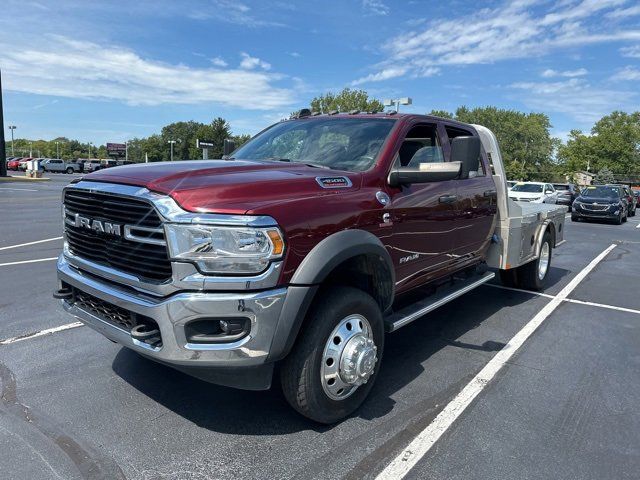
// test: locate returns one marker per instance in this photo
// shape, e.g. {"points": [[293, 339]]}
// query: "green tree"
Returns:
{"points": [[613, 144], [346, 101], [526, 145], [441, 114], [604, 177]]}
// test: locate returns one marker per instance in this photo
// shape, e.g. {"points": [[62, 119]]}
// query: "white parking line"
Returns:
{"points": [[28, 261], [41, 333], [31, 243], [638, 226], [418, 448], [569, 300], [19, 189]]}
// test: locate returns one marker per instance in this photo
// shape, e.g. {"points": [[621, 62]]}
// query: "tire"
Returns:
{"points": [[532, 275], [618, 221], [633, 213], [301, 371], [574, 218], [626, 217], [70, 170]]}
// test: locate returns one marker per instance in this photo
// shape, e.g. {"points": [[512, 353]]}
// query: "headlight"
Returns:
{"points": [[226, 250]]}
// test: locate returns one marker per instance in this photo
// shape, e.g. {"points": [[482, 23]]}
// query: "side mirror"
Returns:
{"points": [[228, 147], [427, 172], [466, 151]]}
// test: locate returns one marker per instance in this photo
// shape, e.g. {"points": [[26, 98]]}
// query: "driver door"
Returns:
{"points": [[423, 215]]}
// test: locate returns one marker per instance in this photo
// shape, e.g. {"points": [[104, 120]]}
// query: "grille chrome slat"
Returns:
{"points": [[148, 261]]}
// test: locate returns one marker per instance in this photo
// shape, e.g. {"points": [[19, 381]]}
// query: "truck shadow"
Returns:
{"points": [[457, 324]]}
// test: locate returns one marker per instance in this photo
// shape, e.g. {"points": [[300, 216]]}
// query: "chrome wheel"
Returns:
{"points": [[349, 357], [543, 261]]}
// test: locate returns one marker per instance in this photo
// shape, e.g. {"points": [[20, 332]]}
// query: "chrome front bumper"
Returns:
{"points": [[173, 312]]}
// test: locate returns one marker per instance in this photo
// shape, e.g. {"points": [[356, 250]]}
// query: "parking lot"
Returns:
{"points": [[563, 403]]}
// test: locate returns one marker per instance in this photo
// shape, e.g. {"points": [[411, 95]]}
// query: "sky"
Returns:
{"points": [[110, 71]]}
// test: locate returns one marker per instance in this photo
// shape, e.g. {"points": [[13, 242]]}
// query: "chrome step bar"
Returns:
{"points": [[443, 295]]}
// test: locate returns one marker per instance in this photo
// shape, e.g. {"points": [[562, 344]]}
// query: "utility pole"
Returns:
{"points": [[126, 151], [57, 149], [12, 128], [171, 142], [90, 149], [3, 152], [31, 149]]}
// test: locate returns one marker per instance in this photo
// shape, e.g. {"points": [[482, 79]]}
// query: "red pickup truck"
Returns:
{"points": [[298, 249]]}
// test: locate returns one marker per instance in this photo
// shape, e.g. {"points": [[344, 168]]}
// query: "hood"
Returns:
{"points": [[226, 186], [525, 194], [607, 200]]}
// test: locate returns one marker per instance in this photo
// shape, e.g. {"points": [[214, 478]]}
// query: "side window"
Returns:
{"points": [[421, 145], [452, 133]]}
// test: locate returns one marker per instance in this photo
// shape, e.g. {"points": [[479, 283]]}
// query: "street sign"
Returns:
{"points": [[116, 149], [205, 144]]}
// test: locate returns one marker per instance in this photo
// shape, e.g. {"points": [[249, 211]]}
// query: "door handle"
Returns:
{"points": [[490, 193], [448, 199]]}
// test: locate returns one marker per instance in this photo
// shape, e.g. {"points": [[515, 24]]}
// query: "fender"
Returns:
{"points": [[314, 269], [334, 250]]}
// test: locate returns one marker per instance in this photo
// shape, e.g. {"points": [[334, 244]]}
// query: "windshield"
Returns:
{"points": [[527, 188], [350, 144], [602, 191]]}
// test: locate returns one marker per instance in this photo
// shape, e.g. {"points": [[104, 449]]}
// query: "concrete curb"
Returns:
{"points": [[23, 179]]}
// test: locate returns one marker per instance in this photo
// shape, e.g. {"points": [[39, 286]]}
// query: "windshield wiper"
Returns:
{"points": [[308, 164]]}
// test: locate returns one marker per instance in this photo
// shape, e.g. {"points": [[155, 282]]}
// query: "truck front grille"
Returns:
{"points": [[147, 261]]}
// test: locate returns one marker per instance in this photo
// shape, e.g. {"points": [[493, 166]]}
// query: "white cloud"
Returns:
{"points": [[64, 67], [549, 73], [574, 97], [295, 54], [631, 52], [375, 7], [628, 73], [230, 11], [219, 62], [386, 74], [249, 63], [624, 12], [513, 30]]}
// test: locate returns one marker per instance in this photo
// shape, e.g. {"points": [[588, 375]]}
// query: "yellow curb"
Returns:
{"points": [[23, 179]]}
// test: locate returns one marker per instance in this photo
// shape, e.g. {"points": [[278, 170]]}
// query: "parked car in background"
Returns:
{"points": [[22, 165], [13, 164], [510, 184], [535, 192], [60, 166], [567, 193], [631, 199], [601, 202], [92, 165]]}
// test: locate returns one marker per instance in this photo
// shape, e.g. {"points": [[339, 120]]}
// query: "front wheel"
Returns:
{"points": [[336, 358], [69, 170]]}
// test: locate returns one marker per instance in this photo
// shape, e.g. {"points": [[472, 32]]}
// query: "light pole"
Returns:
{"points": [[12, 128], [90, 149], [31, 149], [171, 142], [396, 102], [57, 149]]}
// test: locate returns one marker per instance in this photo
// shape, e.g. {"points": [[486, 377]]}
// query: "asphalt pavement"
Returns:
{"points": [[565, 404]]}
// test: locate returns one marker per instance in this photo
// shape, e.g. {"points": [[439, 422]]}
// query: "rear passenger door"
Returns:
{"points": [[476, 205]]}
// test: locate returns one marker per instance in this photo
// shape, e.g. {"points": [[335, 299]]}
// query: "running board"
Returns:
{"points": [[443, 295]]}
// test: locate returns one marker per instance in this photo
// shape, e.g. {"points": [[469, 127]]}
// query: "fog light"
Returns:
{"points": [[232, 327]]}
